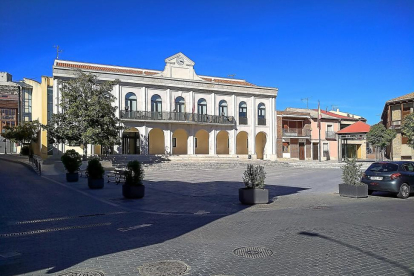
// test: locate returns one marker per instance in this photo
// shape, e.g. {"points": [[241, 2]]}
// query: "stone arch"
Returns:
{"points": [[179, 143], [156, 142], [201, 142], [222, 142], [260, 144], [242, 143]]}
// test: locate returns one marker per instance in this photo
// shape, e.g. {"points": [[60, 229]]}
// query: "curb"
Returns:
{"points": [[19, 162]]}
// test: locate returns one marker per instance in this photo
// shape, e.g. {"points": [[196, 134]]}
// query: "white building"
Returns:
{"points": [[177, 112]]}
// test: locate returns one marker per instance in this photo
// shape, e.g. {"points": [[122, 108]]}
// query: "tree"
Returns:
{"points": [[380, 137], [24, 133], [88, 115], [407, 129]]}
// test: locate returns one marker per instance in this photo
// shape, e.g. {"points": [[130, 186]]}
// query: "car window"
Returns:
{"points": [[408, 167], [383, 167]]}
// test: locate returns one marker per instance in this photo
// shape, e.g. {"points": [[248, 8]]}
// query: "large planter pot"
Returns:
{"points": [[253, 196], [129, 191], [72, 177], [353, 191], [95, 183]]}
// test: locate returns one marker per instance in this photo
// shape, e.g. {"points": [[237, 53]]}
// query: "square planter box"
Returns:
{"points": [[353, 191], [253, 196]]}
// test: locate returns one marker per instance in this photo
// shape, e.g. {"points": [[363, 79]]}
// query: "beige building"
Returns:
{"points": [[392, 117], [177, 112]]}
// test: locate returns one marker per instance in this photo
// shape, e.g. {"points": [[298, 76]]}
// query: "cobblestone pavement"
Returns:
{"points": [[191, 214]]}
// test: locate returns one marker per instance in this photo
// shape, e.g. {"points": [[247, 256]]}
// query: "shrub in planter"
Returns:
{"points": [[72, 162], [133, 187], [351, 177], [254, 192], [95, 174]]}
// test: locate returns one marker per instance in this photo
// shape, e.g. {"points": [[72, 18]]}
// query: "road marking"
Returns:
{"points": [[201, 212], [52, 230], [134, 227]]}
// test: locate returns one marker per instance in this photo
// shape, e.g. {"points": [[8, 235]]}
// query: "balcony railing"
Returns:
{"points": [[395, 124], [242, 120], [296, 132], [261, 121], [330, 135], [177, 116]]}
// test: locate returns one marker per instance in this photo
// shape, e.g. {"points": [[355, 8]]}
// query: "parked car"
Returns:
{"points": [[391, 176]]}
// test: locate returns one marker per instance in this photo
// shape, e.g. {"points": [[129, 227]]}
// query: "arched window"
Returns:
{"points": [[261, 114], [223, 108], [130, 102], [242, 113], [156, 103], [202, 107], [179, 104]]}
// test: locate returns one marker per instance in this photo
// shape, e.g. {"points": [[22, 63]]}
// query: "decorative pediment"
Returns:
{"points": [[179, 66]]}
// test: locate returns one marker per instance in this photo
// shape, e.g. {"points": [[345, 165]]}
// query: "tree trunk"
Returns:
{"points": [[85, 151]]}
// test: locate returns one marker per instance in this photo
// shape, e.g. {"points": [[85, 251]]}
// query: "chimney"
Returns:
{"points": [[337, 110], [5, 77]]}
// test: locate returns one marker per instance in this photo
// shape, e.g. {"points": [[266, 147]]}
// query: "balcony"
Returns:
{"points": [[176, 117], [261, 121], [296, 132], [395, 124], [242, 120], [330, 135]]}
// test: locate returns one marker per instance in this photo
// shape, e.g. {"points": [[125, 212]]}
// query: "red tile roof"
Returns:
{"points": [[337, 116], [358, 127], [408, 96], [140, 72], [229, 82]]}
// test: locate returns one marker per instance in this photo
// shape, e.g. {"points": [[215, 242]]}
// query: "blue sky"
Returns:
{"points": [[354, 55]]}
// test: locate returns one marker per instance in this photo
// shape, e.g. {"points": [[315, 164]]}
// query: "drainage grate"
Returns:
{"points": [[322, 207], [164, 268], [253, 252], [52, 230], [83, 273]]}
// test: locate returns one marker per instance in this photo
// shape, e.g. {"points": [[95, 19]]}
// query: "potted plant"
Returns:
{"points": [[254, 192], [72, 162], [95, 174], [133, 187], [351, 176]]}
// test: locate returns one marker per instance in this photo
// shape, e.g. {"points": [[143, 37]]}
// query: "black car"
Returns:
{"points": [[396, 177]]}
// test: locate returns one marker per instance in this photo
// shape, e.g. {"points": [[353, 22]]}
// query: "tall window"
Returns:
{"points": [[27, 94], [325, 150], [131, 102], [243, 109], [49, 116], [156, 103], [223, 108], [202, 106], [261, 114], [179, 105]]}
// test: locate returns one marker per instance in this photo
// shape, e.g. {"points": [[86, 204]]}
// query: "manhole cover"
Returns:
{"points": [[253, 252], [83, 273], [164, 268]]}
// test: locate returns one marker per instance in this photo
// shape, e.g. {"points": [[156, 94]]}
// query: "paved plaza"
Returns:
{"points": [[191, 223]]}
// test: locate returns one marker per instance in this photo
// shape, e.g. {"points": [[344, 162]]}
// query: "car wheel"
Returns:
{"points": [[370, 192], [404, 191]]}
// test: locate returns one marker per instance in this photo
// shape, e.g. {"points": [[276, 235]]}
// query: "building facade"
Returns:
{"points": [[177, 112], [395, 110]]}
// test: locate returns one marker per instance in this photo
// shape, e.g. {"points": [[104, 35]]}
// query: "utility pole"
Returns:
{"points": [[307, 101], [57, 51]]}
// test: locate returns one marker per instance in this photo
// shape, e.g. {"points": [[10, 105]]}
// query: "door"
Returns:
{"points": [[315, 151], [301, 151]]}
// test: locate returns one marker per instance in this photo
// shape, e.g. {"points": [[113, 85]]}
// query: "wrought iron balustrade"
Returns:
{"points": [[261, 121], [296, 132], [242, 120], [330, 135], [177, 116]]}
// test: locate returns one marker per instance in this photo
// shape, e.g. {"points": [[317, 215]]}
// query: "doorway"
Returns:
{"points": [[315, 151], [301, 151]]}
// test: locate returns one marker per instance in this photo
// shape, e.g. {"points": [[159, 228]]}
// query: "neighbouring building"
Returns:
{"points": [[294, 135], [395, 110], [15, 107], [177, 112], [353, 140]]}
